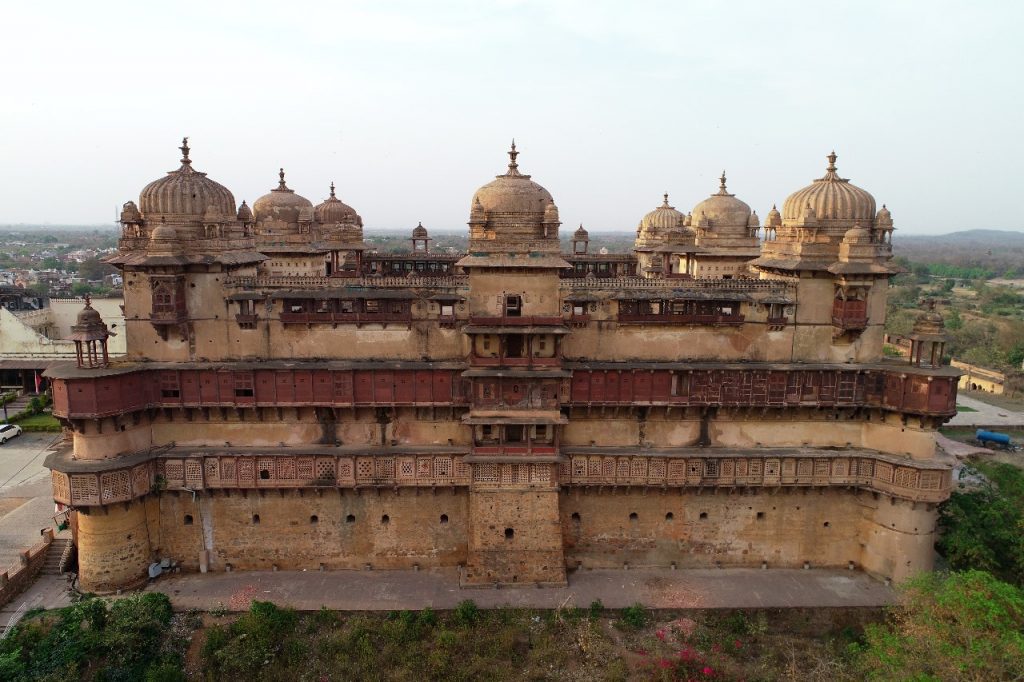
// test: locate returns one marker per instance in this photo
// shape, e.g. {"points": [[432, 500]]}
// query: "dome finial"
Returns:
{"points": [[280, 184], [332, 190], [665, 204], [513, 167], [832, 161], [88, 298], [185, 161], [721, 183]]}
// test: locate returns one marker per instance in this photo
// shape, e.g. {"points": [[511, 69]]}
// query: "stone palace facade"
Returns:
{"points": [[292, 399]]}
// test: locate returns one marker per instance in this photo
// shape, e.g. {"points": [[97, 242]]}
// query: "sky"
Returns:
{"points": [[410, 106]]}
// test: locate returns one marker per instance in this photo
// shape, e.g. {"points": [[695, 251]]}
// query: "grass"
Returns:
{"points": [[964, 408], [39, 422]]}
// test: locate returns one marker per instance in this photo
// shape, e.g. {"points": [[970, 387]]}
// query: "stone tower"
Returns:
{"points": [[515, 378]]}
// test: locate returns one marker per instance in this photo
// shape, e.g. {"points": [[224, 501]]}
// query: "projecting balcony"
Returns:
{"points": [[850, 322], [707, 320], [515, 321], [246, 321], [345, 318], [168, 317]]}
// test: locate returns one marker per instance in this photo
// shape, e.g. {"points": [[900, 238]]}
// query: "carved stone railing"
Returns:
{"points": [[682, 284], [920, 481], [414, 282]]}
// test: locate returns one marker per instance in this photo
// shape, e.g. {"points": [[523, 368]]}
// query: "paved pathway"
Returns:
{"points": [[438, 589], [26, 498], [985, 414], [47, 592]]}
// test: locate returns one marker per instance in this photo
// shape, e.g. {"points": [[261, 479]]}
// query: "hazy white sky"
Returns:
{"points": [[409, 106]]}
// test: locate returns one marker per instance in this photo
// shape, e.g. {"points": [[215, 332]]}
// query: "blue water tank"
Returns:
{"points": [[992, 437]]}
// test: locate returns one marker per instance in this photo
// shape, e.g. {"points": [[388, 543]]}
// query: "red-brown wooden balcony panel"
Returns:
{"points": [[579, 321], [710, 320], [168, 317], [246, 321], [778, 321], [849, 323], [344, 318], [515, 321]]}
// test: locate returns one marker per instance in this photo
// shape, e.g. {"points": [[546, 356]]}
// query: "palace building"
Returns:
{"points": [[291, 399]]}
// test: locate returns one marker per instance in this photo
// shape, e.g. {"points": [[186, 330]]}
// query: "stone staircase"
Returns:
{"points": [[54, 554]]}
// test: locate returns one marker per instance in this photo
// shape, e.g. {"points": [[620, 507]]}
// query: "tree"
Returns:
{"points": [[983, 528], [957, 626], [954, 321], [93, 269]]}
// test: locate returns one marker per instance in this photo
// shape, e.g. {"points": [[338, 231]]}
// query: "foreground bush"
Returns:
{"points": [[91, 640], [958, 626]]}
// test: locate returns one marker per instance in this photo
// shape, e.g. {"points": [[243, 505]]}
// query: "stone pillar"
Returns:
{"points": [[113, 547]]}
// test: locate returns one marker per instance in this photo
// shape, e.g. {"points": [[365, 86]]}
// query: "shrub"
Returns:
{"points": [[958, 626], [466, 613], [596, 609], [633, 617]]}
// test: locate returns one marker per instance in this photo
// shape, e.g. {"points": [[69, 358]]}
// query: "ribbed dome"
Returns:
{"points": [[333, 210], [419, 232], [88, 316], [831, 198], [662, 219], [512, 192], [581, 234], [722, 210], [185, 192], [281, 204]]}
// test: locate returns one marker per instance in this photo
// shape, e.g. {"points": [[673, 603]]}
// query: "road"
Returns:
{"points": [[985, 414], [26, 498]]}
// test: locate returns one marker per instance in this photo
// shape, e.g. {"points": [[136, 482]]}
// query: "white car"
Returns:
{"points": [[9, 431]]}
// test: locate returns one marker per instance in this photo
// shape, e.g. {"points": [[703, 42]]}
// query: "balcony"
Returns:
{"points": [[515, 321], [850, 322], [707, 320], [345, 318], [246, 321]]}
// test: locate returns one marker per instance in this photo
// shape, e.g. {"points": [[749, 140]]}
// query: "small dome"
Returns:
{"points": [[244, 213], [163, 233], [185, 192], [512, 193], [581, 235], [88, 316], [930, 321], [774, 218], [723, 210], [333, 210], [419, 232], [281, 204], [662, 219], [857, 235], [832, 198], [754, 221]]}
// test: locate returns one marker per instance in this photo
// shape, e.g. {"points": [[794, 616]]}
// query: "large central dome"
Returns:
{"points": [[186, 193], [831, 198], [512, 192]]}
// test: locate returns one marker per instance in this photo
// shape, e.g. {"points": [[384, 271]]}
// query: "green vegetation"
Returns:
{"points": [[959, 626], [37, 422], [125, 639], [983, 526]]}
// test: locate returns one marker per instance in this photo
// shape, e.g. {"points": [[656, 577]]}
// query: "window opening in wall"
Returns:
{"points": [[703, 516], [188, 519], [243, 386], [577, 310], [264, 474], [826, 524], [513, 306], [385, 520], [255, 518], [314, 519], [669, 516], [575, 517], [515, 346], [513, 433], [509, 533], [633, 516], [447, 310], [371, 306], [350, 519], [760, 516], [444, 519], [348, 307], [169, 386]]}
